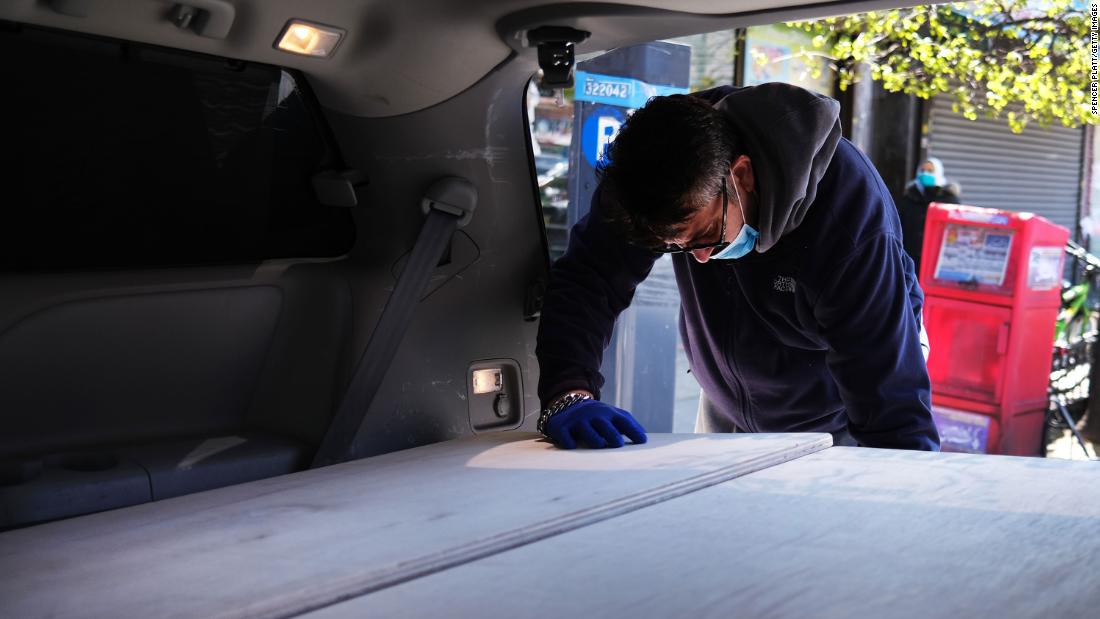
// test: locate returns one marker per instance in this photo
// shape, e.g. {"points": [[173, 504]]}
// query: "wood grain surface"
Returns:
{"points": [[285, 545], [846, 532]]}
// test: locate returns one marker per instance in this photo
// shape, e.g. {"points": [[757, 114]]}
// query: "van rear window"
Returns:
{"points": [[124, 155]]}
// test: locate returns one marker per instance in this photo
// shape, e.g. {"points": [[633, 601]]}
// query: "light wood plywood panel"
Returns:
{"points": [[846, 532], [285, 545]]}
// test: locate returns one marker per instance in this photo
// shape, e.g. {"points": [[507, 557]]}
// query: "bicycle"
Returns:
{"points": [[1075, 374]]}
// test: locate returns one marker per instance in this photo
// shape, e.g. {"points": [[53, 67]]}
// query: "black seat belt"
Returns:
{"points": [[449, 204]]}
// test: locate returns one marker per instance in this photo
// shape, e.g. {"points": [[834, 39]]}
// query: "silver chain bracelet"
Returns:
{"points": [[558, 406]]}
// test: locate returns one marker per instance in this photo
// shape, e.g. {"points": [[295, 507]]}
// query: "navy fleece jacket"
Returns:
{"points": [[816, 331]]}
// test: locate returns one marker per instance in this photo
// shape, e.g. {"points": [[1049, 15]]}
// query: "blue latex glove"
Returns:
{"points": [[595, 425]]}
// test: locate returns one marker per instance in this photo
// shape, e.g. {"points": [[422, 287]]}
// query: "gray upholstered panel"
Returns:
{"points": [[306, 368], [66, 485], [181, 467], [43, 488], [131, 368]]}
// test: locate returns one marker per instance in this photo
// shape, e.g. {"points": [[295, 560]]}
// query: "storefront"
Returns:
{"points": [[1038, 171]]}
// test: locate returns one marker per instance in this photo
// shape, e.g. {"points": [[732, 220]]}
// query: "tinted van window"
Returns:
{"points": [[123, 155]]}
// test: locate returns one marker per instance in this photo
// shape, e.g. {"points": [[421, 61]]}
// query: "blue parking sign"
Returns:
{"points": [[598, 129]]}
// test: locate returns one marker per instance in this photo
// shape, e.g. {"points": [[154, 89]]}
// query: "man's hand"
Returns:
{"points": [[594, 424]]}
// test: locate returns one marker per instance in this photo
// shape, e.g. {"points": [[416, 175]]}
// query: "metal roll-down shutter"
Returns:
{"points": [[1037, 171]]}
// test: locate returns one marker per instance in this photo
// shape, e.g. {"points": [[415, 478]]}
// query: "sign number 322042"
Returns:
{"points": [[596, 88]]}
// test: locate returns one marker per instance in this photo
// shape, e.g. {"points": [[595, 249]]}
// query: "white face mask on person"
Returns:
{"points": [[746, 238]]}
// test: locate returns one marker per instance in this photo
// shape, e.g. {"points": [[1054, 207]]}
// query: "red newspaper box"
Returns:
{"points": [[992, 285]]}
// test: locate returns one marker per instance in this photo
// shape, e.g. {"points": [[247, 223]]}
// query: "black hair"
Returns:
{"points": [[667, 161]]}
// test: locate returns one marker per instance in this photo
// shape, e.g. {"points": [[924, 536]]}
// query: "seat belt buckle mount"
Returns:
{"points": [[452, 195]]}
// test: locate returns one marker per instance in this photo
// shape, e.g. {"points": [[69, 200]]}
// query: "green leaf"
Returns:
{"points": [[984, 52]]}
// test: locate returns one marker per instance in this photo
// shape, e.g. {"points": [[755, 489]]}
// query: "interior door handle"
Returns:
{"points": [[208, 18]]}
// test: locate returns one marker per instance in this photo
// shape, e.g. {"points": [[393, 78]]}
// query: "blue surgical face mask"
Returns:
{"points": [[742, 245], [746, 238], [927, 179]]}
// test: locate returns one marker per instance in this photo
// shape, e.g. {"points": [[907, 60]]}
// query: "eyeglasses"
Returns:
{"points": [[673, 248]]}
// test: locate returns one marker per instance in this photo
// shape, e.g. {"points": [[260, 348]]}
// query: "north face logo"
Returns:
{"points": [[783, 283]]}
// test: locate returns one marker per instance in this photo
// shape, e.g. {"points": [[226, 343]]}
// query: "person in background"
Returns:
{"points": [[930, 185]]}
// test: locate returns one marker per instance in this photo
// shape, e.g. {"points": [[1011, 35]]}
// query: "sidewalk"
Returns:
{"points": [[1066, 447]]}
